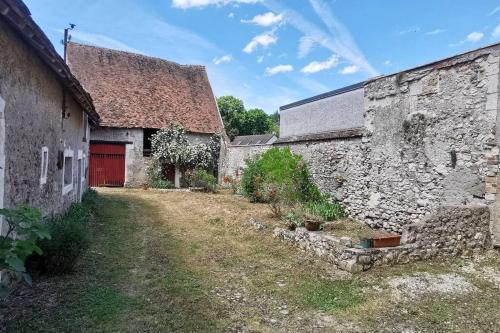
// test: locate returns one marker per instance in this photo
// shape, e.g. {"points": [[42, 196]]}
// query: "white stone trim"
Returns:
{"points": [[44, 166], [67, 188]]}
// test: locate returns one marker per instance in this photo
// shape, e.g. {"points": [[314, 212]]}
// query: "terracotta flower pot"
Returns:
{"points": [[312, 225], [386, 240]]}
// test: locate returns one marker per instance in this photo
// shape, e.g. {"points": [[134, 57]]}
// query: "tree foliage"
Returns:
{"points": [[239, 121]]}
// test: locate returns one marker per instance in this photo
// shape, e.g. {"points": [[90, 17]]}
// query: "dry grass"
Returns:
{"points": [[189, 262]]}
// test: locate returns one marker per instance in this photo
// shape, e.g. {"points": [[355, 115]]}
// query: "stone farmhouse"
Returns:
{"points": [[44, 118], [403, 148], [136, 95]]}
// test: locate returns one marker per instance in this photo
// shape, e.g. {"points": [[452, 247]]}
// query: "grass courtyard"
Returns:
{"points": [[190, 262]]}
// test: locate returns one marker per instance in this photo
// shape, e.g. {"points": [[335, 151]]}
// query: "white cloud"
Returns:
{"points": [[435, 32], [264, 40], [306, 44], [230, 15], [387, 63], [184, 4], [265, 20], [102, 41], [496, 32], [318, 66], [494, 11], [349, 70], [223, 59], [260, 59], [338, 39], [409, 30], [278, 69], [475, 36]]}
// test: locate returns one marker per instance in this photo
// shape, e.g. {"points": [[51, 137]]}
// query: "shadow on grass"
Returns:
{"points": [[131, 279]]}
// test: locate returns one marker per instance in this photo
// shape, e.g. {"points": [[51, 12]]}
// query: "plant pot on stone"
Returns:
{"points": [[312, 225], [365, 240]]}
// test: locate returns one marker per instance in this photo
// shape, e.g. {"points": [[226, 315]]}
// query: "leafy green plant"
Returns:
{"points": [[70, 237], [328, 211], [161, 184], [203, 179], [24, 228], [292, 217], [281, 168]]}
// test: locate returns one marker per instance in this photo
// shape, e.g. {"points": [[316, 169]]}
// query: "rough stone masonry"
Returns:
{"points": [[428, 140]]}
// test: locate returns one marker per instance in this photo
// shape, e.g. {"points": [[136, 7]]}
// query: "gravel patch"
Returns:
{"points": [[420, 284]]}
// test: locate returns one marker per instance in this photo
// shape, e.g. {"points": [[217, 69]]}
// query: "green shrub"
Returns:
{"points": [[161, 184], [326, 210], [203, 179], [70, 237], [24, 228], [281, 168]]}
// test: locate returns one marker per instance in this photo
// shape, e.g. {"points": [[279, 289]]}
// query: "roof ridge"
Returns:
{"points": [[135, 54]]}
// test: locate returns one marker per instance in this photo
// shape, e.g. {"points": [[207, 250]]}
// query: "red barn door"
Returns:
{"points": [[107, 164]]}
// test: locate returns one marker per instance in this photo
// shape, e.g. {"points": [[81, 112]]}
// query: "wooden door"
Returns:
{"points": [[107, 165]]}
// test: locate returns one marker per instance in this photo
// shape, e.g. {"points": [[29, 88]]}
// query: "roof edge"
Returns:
{"points": [[335, 92], [137, 55], [349, 133], [18, 17]]}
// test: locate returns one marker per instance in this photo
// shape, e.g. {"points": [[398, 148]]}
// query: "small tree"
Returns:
{"points": [[171, 146], [24, 228]]}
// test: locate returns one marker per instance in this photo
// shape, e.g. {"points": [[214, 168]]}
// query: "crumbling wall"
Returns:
{"points": [[429, 140]]}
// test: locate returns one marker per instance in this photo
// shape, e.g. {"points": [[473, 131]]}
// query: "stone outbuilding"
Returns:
{"points": [[135, 96], [44, 119]]}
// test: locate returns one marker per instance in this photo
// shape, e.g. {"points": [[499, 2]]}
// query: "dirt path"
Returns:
{"points": [[190, 262]]}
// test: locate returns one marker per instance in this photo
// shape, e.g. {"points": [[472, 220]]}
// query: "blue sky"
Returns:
{"points": [[273, 52]]}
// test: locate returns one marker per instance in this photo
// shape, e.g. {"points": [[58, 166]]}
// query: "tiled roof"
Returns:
{"points": [[136, 91], [18, 16], [252, 140]]}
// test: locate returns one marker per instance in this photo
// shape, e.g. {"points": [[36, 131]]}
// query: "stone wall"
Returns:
{"points": [[450, 232], [33, 119], [233, 161], [428, 140]]}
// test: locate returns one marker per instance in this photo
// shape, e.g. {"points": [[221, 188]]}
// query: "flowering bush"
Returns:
{"points": [[171, 146]]}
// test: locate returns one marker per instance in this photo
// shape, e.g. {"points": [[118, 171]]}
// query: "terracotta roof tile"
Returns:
{"points": [[136, 91]]}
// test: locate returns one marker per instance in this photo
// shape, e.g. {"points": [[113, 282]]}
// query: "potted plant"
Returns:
{"points": [[292, 220], [365, 240]]}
